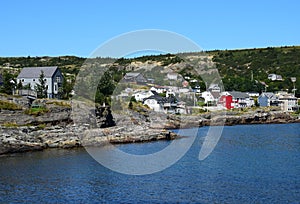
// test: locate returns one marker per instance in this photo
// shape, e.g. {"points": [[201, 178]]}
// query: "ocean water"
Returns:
{"points": [[250, 164]]}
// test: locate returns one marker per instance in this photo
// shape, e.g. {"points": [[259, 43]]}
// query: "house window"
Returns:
{"points": [[45, 79], [22, 80], [33, 79], [55, 87], [58, 80]]}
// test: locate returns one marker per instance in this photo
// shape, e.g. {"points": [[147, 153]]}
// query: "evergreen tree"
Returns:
{"points": [[20, 85], [27, 87], [40, 87], [66, 88], [8, 85]]}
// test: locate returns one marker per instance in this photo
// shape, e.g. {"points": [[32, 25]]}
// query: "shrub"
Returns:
{"points": [[10, 124], [41, 126], [5, 105]]}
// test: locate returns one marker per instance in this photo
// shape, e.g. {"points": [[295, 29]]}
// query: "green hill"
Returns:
{"points": [[237, 67], [241, 70]]}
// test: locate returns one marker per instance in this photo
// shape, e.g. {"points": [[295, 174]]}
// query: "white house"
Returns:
{"points": [[287, 102], [253, 94], [183, 90], [172, 76], [214, 88], [140, 96], [126, 93], [52, 76], [181, 108], [165, 104], [244, 100], [210, 96], [275, 77], [155, 103], [170, 93], [158, 89]]}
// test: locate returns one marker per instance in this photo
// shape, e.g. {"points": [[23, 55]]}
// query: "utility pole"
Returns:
{"points": [[14, 86], [293, 79], [194, 99]]}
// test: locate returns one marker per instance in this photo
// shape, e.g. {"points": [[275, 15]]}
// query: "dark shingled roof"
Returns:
{"points": [[238, 94], [35, 72], [131, 75], [161, 100]]}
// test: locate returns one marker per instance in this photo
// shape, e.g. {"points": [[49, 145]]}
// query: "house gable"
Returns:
{"points": [[134, 77], [34, 72], [267, 99], [31, 75]]}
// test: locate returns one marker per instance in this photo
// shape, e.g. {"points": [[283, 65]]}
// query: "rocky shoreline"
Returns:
{"points": [[21, 132]]}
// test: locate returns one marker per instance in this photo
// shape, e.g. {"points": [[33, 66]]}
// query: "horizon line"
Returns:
{"points": [[152, 54]]}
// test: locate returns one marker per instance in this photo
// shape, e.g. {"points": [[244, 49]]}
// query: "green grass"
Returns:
{"points": [[36, 111], [197, 111], [5, 105], [10, 124], [41, 126], [60, 103]]}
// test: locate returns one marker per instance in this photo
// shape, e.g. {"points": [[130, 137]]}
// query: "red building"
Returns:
{"points": [[226, 101], [235, 99]]}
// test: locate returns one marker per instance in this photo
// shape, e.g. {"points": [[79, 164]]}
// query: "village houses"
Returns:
{"points": [[162, 98], [236, 99], [286, 101], [165, 104]]}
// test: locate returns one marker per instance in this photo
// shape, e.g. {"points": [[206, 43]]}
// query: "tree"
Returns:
{"points": [[8, 84], [27, 87], [41, 87], [67, 87], [105, 88], [19, 85]]}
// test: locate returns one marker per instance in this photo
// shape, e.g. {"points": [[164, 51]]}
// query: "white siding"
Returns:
{"points": [[152, 103], [34, 81]]}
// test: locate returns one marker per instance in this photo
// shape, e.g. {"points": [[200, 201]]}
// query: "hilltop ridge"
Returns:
{"points": [[241, 70]]}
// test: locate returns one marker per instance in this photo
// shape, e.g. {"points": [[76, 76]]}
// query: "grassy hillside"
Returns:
{"points": [[238, 66], [242, 70]]}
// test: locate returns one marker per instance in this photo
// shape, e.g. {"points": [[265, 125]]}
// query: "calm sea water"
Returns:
{"points": [[250, 164]]}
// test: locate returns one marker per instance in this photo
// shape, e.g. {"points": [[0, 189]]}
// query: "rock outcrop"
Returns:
{"points": [[29, 138], [56, 128]]}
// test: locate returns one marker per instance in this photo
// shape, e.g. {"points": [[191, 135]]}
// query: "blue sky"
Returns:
{"points": [[69, 27]]}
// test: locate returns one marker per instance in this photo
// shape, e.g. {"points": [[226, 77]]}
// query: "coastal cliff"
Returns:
{"points": [[54, 128]]}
